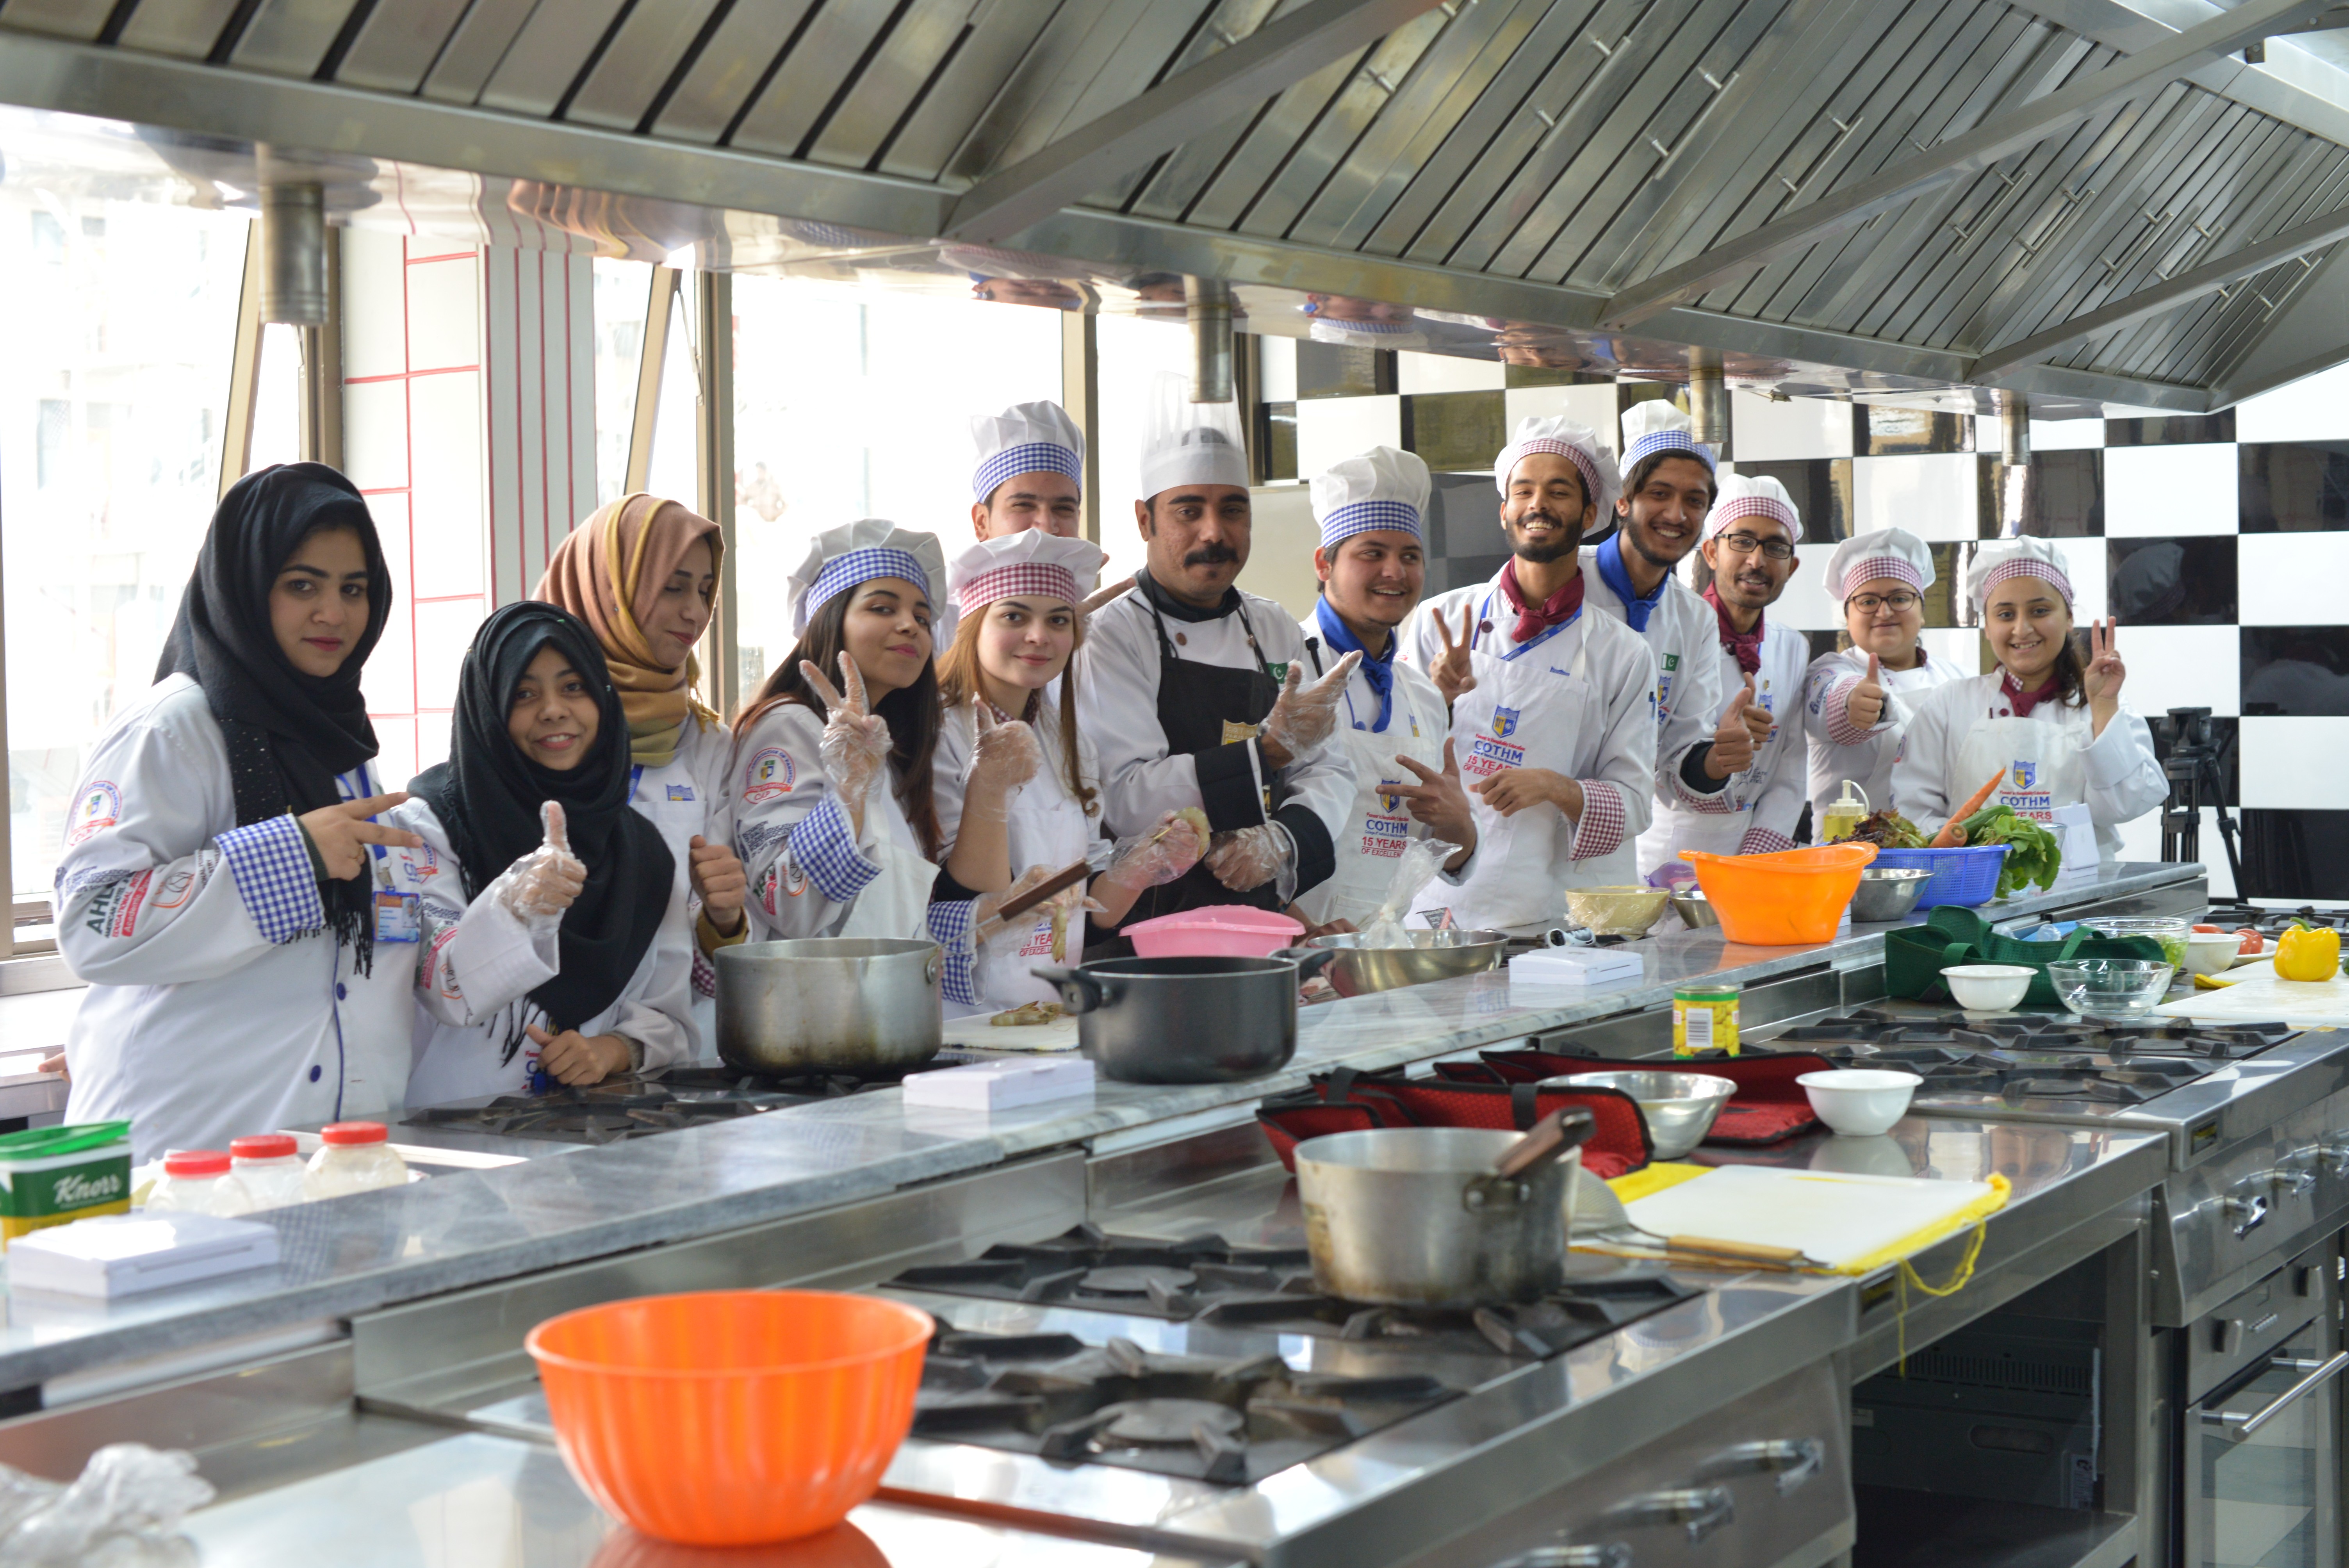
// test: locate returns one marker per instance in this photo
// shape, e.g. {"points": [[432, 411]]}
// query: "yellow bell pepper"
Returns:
{"points": [[2305, 952]]}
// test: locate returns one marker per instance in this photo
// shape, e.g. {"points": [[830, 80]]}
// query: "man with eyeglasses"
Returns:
{"points": [[1749, 541], [1857, 700], [1668, 487]]}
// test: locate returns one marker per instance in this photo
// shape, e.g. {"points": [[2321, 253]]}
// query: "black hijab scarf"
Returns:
{"points": [[488, 793], [288, 733]]}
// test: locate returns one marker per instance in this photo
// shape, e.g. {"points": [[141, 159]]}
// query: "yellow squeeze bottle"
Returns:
{"points": [[1844, 814]]}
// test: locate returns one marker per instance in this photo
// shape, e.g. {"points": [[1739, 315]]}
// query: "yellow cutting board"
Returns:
{"points": [[1849, 1223], [2255, 994]]}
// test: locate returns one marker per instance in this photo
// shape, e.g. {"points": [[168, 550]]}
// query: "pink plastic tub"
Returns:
{"points": [[1218, 931]]}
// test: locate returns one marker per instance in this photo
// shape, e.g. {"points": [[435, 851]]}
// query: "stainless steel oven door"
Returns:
{"points": [[2262, 1439]]}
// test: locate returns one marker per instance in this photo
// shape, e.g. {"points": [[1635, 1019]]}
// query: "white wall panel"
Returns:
{"points": [[2165, 491]]}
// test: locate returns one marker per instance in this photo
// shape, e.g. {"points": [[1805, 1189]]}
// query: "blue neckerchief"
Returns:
{"points": [[1618, 576], [1379, 672]]}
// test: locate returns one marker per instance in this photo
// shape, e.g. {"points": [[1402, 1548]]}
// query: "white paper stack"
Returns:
{"points": [[122, 1254], [1575, 967], [1000, 1085]]}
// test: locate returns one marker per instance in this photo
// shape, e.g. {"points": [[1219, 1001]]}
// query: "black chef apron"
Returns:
{"points": [[1199, 708]]}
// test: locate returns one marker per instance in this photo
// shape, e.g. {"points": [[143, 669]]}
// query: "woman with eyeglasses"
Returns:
{"points": [[1857, 701]]}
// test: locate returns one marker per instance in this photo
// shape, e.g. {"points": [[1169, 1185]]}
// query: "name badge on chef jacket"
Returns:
{"points": [[399, 916]]}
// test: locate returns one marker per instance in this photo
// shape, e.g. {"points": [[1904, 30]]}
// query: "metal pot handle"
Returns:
{"points": [[930, 970], [1309, 961], [1079, 992]]}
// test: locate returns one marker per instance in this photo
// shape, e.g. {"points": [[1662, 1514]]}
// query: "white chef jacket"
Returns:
{"points": [[1757, 810], [1689, 698], [1614, 759], [1117, 709], [217, 1004], [464, 1000], [1048, 827], [2122, 780], [1841, 749], [685, 796]]}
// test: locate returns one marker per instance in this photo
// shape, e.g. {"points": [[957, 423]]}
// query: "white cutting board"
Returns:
{"points": [[1833, 1216], [973, 1032], [2258, 996]]}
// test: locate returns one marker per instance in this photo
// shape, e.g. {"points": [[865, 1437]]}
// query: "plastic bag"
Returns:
{"points": [[123, 1512], [1420, 860]]}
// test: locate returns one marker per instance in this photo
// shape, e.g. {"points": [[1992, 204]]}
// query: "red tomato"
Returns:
{"points": [[2252, 944]]}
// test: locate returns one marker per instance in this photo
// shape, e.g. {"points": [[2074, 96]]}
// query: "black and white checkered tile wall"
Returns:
{"points": [[2221, 542]]}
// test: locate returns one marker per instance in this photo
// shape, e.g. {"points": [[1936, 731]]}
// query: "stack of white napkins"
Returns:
{"points": [[122, 1254], [1002, 1084], [1575, 967]]}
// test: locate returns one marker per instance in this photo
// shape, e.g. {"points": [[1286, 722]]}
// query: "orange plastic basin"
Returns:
{"points": [[731, 1418], [1781, 900]]}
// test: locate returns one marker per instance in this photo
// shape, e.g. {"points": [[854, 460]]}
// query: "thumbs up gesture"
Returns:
{"points": [[1865, 704], [542, 884], [1736, 735]]}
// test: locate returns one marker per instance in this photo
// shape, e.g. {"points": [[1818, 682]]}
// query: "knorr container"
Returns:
{"points": [[55, 1175]]}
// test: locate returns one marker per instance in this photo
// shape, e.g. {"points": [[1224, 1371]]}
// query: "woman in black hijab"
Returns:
{"points": [[222, 827], [533, 810]]}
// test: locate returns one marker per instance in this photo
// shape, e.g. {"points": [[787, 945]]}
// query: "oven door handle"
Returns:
{"points": [[2319, 1372]]}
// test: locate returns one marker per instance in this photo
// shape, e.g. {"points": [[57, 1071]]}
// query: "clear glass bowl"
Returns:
{"points": [[2170, 930], [2110, 987]]}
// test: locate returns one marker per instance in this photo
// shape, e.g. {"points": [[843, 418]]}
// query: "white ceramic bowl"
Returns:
{"points": [[1987, 987], [2211, 952], [1860, 1102]]}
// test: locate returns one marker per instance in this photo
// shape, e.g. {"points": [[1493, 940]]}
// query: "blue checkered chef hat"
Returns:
{"points": [[1025, 438], [859, 552], [1655, 426], [1380, 489]]}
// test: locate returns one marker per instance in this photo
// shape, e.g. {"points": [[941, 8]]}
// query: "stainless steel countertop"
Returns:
{"points": [[476, 1227]]}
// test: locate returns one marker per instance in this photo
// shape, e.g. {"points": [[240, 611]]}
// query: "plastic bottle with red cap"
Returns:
{"points": [[198, 1182], [353, 1156], [270, 1165]]}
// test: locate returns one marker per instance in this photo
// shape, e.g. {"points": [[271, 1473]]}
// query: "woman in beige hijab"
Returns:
{"points": [[642, 572]]}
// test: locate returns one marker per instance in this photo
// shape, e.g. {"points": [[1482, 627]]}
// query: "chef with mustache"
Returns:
{"points": [[1553, 710], [1749, 541], [1195, 694]]}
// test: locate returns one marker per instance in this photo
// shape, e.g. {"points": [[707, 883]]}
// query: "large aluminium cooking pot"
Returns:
{"points": [[1185, 1020], [1441, 1216], [828, 1004]]}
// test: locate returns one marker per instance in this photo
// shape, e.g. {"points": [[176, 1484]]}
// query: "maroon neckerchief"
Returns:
{"points": [[1556, 611], [1745, 647], [2022, 701]]}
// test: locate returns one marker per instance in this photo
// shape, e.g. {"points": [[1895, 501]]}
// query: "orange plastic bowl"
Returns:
{"points": [[731, 1418], [1784, 899]]}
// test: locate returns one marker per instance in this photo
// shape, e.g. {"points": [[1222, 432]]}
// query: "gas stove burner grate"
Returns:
{"points": [[659, 1100], [1584, 1311], [1229, 1421], [2273, 922], [1090, 1267]]}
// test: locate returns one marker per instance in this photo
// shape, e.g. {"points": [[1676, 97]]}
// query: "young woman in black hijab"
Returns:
{"points": [[223, 881], [536, 839]]}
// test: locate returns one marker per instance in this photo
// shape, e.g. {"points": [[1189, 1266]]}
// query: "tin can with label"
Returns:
{"points": [[55, 1175], [1704, 1018]]}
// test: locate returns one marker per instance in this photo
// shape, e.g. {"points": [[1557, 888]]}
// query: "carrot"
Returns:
{"points": [[1953, 835]]}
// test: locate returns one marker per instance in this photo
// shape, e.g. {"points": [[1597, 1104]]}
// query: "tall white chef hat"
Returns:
{"points": [[1025, 438], [1382, 489], [2000, 559], [859, 552], [1580, 444], [1893, 552], [1031, 562], [1752, 495], [1655, 426], [1187, 443]]}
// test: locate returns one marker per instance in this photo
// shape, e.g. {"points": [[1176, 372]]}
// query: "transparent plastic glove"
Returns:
{"points": [[1303, 716], [537, 888], [985, 926], [1246, 859], [1003, 756], [855, 744], [1171, 848], [1417, 866], [123, 1512]]}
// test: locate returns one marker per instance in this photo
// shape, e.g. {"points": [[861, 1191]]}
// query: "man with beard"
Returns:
{"points": [[1553, 711], [1192, 691], [1372, 564], [1749, 541]]}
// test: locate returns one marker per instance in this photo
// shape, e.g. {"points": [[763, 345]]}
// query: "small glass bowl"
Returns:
{"points": [[2170, 930], [2110, 987]]}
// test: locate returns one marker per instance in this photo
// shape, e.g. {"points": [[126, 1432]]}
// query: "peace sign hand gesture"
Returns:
{"points": [[856, 742], [2101, 682], [1452, 673], [342, 833], [1303, 716]]}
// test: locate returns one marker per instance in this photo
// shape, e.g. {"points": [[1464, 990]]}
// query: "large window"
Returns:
{"points": [[113, 387], [847, 408]]}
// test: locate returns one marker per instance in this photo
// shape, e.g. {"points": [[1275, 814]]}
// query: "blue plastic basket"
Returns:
{"points": [[1966, 877]]}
